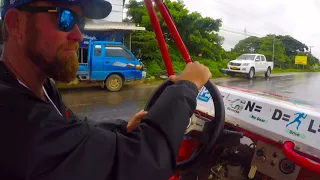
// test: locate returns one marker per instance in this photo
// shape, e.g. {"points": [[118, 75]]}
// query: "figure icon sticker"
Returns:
{"points": [[297, 120]]}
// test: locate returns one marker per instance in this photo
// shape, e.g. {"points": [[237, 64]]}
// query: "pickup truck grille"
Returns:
{"points": [[235, 64], [234, 68]]}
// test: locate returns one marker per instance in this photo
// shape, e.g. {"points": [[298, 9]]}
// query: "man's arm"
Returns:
{"points": [[53, 148]]}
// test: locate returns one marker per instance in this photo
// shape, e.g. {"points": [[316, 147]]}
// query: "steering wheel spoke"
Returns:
{"points": [[196, 128], [196, 124]]}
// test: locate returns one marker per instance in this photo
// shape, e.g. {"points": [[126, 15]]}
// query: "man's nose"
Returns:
{"points": [[75, 34]]}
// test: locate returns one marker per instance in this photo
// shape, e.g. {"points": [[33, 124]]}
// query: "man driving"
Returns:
{"points": [[39, 140]]}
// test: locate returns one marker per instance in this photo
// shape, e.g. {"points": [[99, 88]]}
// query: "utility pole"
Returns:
{"points": [[310, 49], [310, 53], [273, 47], [245, 33]]}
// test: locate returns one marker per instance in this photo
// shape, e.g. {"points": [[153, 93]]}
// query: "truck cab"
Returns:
{"points": [[111, 63]]}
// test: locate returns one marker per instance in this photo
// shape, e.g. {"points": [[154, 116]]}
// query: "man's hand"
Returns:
{"points": [[135, 121], [194, 72]]}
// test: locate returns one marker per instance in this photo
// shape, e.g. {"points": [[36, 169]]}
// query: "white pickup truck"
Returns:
{"points": [[249, 64]]}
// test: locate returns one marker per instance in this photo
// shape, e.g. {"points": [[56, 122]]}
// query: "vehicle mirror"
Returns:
{"points": [[138, 56]]}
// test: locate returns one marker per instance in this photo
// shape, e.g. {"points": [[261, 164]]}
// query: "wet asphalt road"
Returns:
{"points": [[99, 105], [302, 86]]}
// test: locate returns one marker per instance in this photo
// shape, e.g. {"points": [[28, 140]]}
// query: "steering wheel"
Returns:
{"points": [[205, 130]]}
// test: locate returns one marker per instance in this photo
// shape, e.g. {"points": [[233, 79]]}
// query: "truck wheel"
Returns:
{"points": [[251, 73], [114, 83], [268, 72]]}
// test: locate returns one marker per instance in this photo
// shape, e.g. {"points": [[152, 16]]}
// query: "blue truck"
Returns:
{"points": [[110, 63]]}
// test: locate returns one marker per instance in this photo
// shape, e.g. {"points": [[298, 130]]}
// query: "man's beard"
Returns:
{"points": [[65, 67], [62, 68]]}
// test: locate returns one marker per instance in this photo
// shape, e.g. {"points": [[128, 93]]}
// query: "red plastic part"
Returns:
{"points": [[175, 176], [187, 147], [298, 159], [67, 114]]}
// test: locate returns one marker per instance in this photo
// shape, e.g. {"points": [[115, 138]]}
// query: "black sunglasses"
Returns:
{"points": [[66, 18]]}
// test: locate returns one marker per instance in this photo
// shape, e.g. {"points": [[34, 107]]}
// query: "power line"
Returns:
{"points": [[238, 31], [241, 33]]}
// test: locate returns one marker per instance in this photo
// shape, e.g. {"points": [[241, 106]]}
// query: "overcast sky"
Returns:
{"points": [[300, 19]]}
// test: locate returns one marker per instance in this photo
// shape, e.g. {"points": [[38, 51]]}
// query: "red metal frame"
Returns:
{"points": [[187, 144], [298, 159], [158, 32], [173, 30]]}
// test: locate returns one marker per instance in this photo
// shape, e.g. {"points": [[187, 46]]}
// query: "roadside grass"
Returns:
{"points": [[279, 70]]}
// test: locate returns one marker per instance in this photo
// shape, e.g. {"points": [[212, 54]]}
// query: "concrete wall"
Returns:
{"points": [[117, 11]]}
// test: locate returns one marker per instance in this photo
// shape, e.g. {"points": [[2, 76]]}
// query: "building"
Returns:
{"points": [[111, 28], [117, 11]]}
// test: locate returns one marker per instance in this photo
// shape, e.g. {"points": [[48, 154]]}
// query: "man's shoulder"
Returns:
{"points": [[14, 96], [7, 89]]}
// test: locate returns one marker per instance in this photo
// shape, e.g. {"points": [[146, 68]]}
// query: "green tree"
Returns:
{"points": [[248, 45], [266, 48], [198, 33], [136, 12], [292, 46], [144, 42], [231, 55]]}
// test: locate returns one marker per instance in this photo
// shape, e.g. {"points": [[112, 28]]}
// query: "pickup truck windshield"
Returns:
{"points": [[246, 57]]}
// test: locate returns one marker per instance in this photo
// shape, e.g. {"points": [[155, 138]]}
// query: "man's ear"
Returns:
{"points": [[13, 21]]}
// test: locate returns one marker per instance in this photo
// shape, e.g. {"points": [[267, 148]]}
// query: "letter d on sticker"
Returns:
{"points": [[277, 114]]}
